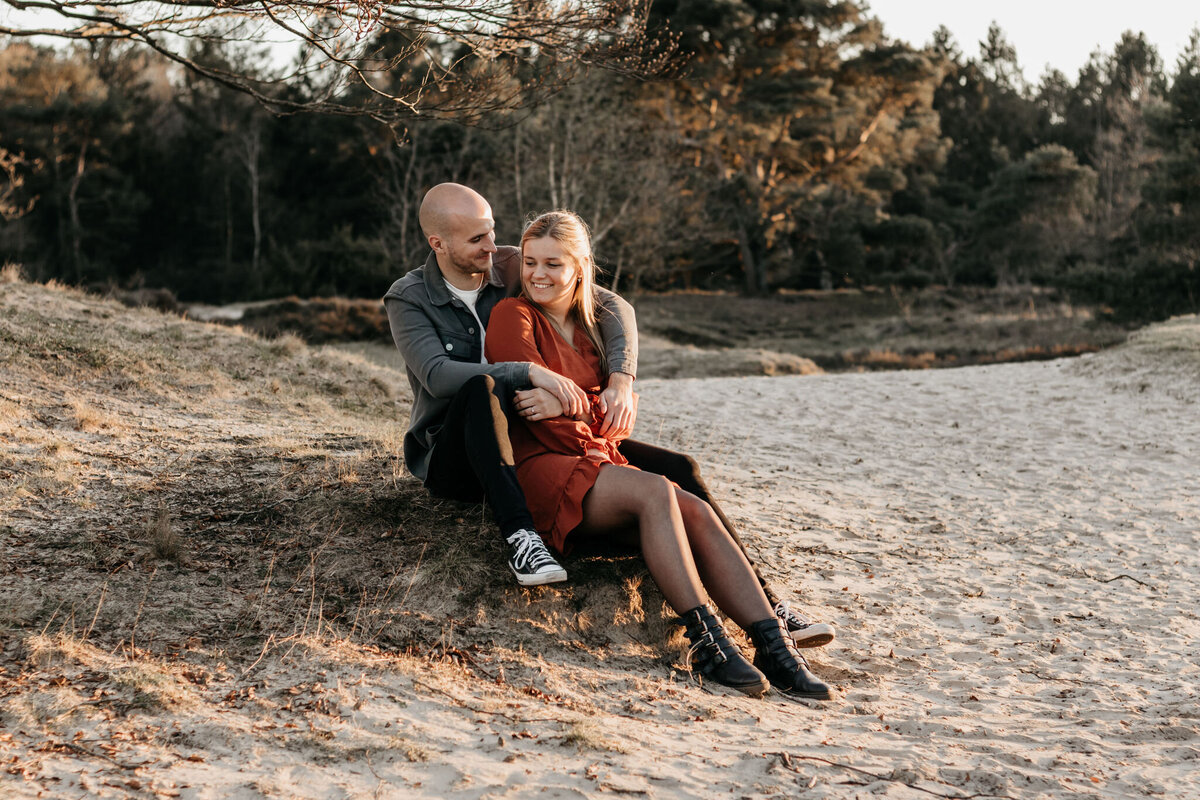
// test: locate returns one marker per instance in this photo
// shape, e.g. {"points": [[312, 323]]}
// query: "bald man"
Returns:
{"points": [[457, 439]]}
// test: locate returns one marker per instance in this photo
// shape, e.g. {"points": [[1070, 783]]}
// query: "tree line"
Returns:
{"points": [[796, 147]]}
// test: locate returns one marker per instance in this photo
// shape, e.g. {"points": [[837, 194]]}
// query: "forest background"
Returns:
{"points": [[788, 146]]}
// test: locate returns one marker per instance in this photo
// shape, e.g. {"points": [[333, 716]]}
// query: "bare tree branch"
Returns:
{"points": [[391, 61]]}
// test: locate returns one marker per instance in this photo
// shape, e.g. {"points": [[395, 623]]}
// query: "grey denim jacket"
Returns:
{"points": [[439, 340]]}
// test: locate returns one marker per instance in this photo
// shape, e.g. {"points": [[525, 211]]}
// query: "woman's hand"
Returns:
{"points": [[619, 406], [537, 404]]}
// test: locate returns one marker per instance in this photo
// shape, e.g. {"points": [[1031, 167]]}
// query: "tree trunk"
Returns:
{"points": [[756, 282], [73, 211], [228, 225]]}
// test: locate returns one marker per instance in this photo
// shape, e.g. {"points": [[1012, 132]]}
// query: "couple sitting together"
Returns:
{"points": [[522, 372]]}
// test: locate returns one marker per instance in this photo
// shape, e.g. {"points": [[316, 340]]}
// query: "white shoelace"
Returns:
{"points": [[531, 551], [790, 616]]}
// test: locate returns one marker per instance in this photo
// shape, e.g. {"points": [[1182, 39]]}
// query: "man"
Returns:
{"points": [[457, 439]]}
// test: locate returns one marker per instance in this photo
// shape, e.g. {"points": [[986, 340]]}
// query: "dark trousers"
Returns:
{"points": [[472, 459]]}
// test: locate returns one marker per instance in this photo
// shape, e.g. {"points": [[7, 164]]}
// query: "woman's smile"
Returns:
{"points": [[549, 275]]}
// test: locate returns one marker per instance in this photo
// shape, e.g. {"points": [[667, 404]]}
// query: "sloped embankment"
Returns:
{"points": [[189, 512]]}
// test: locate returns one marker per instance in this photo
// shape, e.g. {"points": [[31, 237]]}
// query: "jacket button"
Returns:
{"points": [[449, 346], [470, 330]]}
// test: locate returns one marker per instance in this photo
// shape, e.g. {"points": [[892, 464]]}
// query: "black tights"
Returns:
{"points": [[685, 472]]}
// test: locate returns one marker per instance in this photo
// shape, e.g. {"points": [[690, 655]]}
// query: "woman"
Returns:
{"points": [[578, 484]]}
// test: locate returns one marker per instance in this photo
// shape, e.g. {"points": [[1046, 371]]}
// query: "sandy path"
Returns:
{"points": [[1022, 606]]}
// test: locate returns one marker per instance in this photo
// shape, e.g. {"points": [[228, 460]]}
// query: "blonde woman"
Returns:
{"points": [[579, 485]]}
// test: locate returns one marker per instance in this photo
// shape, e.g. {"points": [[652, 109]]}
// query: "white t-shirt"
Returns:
{"points": [[469, 297]]}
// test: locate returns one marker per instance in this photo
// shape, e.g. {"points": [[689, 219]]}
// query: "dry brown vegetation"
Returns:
{"points": [[886, 329], [192, 516], [706, 334]]}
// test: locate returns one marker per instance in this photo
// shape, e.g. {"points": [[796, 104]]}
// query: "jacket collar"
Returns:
{"points": [[435, 284]]}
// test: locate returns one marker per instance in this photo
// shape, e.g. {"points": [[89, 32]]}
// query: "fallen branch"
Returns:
{"points": [[261, 509], [1117, 578], [1037, 674], [78, 748], [462, 704], [785, 760], [827, 552]]}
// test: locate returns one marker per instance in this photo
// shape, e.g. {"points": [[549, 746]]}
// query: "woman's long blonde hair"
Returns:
{"points": [[571, 232]]}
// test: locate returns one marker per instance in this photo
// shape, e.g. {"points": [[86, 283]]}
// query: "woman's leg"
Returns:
{"points": [[685, 471], [622, 496], [723, 567]]}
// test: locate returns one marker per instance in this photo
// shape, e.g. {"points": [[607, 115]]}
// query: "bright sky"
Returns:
{"points": [[1061, 33]]}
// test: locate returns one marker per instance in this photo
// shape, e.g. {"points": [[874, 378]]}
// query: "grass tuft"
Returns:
{"points": [[585, 735], [12, 273], [165, 543], [89, 419]]}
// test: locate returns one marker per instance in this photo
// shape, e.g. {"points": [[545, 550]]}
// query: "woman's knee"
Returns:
{"points": [[694, 510], [651, 492]]}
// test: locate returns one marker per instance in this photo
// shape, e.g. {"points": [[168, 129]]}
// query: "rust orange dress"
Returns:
{"points": [[559, 459]]}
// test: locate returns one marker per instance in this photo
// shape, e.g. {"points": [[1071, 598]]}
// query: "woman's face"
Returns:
{"points": [[549, 275]]}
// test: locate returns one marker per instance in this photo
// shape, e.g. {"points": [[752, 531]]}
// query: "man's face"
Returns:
{"points": [[470, 242]]}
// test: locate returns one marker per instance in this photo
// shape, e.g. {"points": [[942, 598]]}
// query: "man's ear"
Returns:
{"points": [[436, 243]]}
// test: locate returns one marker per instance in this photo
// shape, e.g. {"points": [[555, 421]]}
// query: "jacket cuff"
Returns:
{"points": [[627, 363]]}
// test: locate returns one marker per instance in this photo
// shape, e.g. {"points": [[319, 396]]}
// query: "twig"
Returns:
{"points": [[826, 551], [465, 705], [1117, 578], [141, 607], [81, 749], [261, 655], [1037, 674], [785, 760]]}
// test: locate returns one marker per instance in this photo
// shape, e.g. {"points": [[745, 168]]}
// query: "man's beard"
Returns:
{"points": [[477, 267]]}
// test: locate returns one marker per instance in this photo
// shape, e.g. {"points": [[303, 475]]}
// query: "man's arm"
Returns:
{"points": [[618, 327], [511, 338], [424, 353]]}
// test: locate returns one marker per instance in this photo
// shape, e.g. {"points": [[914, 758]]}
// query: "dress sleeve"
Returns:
{"points": [[511, 334]]}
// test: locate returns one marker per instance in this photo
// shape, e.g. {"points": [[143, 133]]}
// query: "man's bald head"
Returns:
{"points": [[458, 225], [445, 203]]}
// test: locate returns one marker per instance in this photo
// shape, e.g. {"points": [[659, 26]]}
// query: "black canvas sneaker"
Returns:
{"points": [[531, 562]]}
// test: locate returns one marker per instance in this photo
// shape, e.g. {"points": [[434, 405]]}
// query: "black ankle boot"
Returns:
{"points": [[781, 662], [716, 658]]}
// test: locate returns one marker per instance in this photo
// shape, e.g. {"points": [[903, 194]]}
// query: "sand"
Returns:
{"points": [[1008, 552]]}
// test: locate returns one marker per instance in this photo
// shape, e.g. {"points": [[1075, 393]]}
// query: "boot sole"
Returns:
{"points": [[752, 690], [557, 576], [784, 690]]}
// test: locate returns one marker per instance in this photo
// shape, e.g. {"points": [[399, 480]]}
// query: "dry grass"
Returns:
{"points": [[90, 419], [880, 329], [199, 496], [12, 273], [164, 541]]}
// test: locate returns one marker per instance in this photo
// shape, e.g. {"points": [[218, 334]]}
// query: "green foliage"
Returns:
{"points": [[800, 148]]}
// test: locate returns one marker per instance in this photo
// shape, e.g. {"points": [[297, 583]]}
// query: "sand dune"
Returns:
{"points": [[1009, 553]]}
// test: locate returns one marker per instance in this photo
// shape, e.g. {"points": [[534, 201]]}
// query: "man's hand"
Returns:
{"points": [[572, 398], [537, 404], [618, 406]]}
